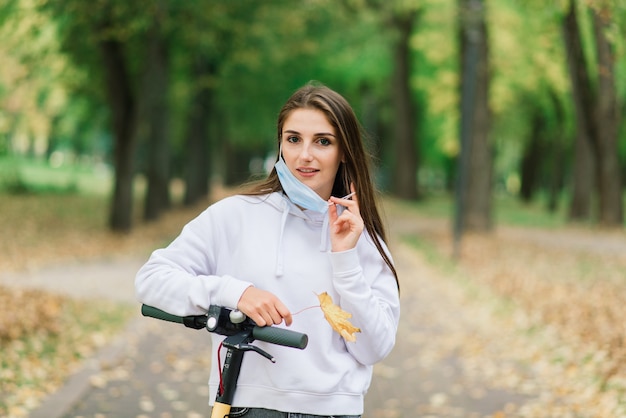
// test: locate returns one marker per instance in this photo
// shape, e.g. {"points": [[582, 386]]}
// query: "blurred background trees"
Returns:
{"points": [[482, 97]]}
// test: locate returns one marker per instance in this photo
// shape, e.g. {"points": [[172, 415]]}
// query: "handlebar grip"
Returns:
{"points": [[159, 314], [271, 335], [280, 336]]}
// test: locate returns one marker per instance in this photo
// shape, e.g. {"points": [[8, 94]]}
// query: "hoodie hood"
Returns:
{"points": [[281, 203]]}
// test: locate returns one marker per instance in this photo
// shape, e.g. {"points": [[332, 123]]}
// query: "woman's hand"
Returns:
{"points": [[345, 229], [263, 307]]}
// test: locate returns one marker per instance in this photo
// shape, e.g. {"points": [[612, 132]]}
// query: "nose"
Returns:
{"points": [[305, 152]]}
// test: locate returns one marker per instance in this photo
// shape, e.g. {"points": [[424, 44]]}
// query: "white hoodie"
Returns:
{"points": [[268, 242]]}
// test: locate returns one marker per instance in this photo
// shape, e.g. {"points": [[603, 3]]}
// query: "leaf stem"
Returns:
{"points": [[302, 310]]}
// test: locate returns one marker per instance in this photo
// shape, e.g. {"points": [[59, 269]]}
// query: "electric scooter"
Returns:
{"points": [[240, 332]]}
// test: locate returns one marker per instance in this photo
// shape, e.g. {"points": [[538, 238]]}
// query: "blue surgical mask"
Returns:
{"points": [[298, 192]]}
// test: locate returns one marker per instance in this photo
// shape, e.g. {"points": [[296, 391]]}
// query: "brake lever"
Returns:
{"points": [[240, 342]]}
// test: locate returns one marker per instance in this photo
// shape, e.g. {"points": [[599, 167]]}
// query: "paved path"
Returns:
{"points": [[158, 369], [102, 279]]}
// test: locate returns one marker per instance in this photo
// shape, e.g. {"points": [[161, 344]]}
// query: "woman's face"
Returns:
{"points": [[311, 149]]}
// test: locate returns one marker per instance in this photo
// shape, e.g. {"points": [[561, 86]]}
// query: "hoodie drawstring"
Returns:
{"points": [[325, 235], [280, 254]]}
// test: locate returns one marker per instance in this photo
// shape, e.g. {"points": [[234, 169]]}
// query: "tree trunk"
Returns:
{"points": [[237, 168], [607, 122], [198, 161], [584, 161], [597, 115], [155, 98], [406, 154], [583, 178], [532, 159], [370, 118], [476, 172], [122, 105], [558, 151], [556, 173]]}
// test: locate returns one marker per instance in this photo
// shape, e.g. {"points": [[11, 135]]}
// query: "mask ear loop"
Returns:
{"points": [[280, 150], [280, 158], [280, 147]]}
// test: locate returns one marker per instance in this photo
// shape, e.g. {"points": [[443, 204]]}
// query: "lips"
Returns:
{"points": [[307, 171]]}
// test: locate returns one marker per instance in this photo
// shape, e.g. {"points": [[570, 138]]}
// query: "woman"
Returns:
{"points": [[269, 251]]}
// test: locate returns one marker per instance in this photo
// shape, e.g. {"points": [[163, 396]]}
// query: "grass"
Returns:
{"points": [[28, 176]]}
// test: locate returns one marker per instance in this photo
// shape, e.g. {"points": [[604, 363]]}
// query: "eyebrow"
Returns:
{"points": [[289, 131]]}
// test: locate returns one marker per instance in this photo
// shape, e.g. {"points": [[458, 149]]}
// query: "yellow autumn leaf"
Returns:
{"points": [[337, 318]]}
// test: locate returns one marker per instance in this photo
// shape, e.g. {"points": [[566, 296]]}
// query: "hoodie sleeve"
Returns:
{"points": [[180, 279], [368, 290]]}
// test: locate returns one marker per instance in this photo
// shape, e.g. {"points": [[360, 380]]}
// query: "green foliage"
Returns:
{"points": [[52, 95], [282, 48], [435, 46]]}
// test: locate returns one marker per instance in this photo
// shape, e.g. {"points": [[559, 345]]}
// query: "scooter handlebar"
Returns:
{"points": [[159, 314], [272, 335], [280, 336]]}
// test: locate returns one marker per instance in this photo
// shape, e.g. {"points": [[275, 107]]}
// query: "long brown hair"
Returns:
{"points": [[356, 166]]}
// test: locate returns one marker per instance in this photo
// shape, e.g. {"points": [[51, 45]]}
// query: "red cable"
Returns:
{"points": [[219, 368]]}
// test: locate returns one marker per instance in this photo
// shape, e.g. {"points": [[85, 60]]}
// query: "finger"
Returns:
{"points": [[347, 225], [284, 312], [258, 319], [351, 201], [346, 203], [350, 220], [271, 317], [332, 211], [276, 317], [288, 319], [264, 309], [351, 206]]}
